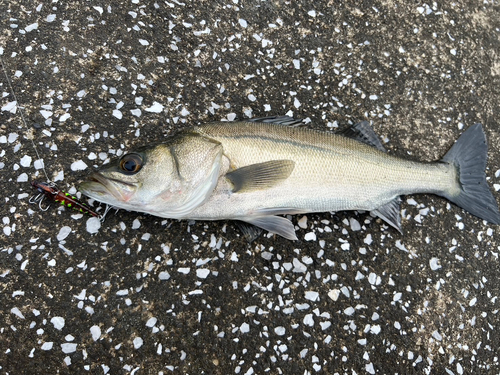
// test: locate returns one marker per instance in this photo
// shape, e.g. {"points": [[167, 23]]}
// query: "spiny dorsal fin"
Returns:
{"points": [[261, 175], [363, 132], [391, 213]]}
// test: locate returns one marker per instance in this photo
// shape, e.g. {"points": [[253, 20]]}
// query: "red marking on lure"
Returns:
{"points": [[53, 193]]}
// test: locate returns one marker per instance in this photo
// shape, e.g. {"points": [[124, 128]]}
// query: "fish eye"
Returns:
{"points": [[131, 163]]}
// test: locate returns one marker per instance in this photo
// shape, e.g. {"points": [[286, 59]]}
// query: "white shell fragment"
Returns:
{"points": [[434, 264], [17, 312], [280, 330], [23, 177], [58, 322], [95, 331], [26, 161], [46, 114], [10, 107], [78, 165], [334, 294], [38, 164], [310, 236], [202, 273], [311, 295], [63, 233], [118, 114], [68, 347], [138, 342], [164, 275], [93, 225], [31, 27], [155, 108], [64, 117], [151, 322], [47, 345]]}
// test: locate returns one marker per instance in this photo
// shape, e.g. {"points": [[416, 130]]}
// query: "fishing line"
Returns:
{"points": [[49, 189], [28, 133]]}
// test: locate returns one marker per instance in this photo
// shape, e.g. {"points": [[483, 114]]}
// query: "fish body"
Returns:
{"points": [[331, 172], [253, 171]]}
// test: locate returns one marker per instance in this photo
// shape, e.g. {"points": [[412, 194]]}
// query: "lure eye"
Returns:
{"points": [[131, 163]]}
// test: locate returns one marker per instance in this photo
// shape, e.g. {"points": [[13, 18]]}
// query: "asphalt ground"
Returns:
{"points": [[145, 295]]}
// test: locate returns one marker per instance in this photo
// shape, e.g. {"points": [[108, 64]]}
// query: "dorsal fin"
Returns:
{"points": [[363, 132], [280, 120]]}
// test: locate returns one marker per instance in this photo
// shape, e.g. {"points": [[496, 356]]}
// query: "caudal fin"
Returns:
{"points": [[469, 154]]}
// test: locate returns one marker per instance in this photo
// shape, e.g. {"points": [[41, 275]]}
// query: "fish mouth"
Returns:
{"points": [[100, 187]]}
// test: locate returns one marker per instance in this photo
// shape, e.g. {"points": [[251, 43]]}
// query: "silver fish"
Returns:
{"points": [[252, 171]]}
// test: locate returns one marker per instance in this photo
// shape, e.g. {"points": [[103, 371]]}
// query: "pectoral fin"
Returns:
{"points": [[260, 176], [275, 224], [391, 213]]}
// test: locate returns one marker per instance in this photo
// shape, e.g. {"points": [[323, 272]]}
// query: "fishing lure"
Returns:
{"points": [[53, 193]]}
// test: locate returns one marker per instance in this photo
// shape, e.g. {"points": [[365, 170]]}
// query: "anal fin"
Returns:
{"points": [[391, 213]]}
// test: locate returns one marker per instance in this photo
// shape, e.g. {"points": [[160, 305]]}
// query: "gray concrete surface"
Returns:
{"points": [[152, 296]]}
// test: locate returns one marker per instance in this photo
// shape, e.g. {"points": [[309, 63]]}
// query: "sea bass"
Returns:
{"points": [[252, 171]]}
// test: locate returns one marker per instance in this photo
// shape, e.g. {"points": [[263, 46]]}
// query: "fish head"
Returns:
{"points": [[167, 180], [133, 180]]}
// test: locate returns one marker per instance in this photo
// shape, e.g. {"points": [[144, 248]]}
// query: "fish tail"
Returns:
{"points": [[468, 155]]}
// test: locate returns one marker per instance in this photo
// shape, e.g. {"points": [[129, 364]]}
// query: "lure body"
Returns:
{"points": [[53, 193]]}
